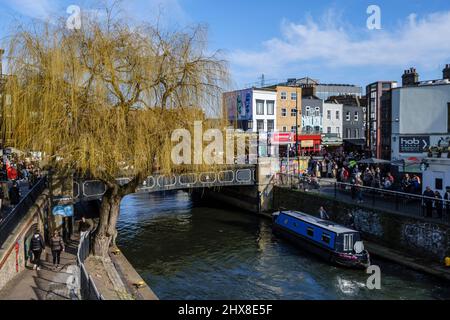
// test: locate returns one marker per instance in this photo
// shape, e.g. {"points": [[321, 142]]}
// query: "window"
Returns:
{"points": [[348, 133], [310, 232], [347, 116], [284, 128], [270, 125], [293, 129], [293, 112], [438, 184], [260, 107], [329, 114], [270, 107], [293, 96], [326, 238], [283, 112], [356, 116], [448, 116], [348, 242], [317, 112], [317, 129], [260, 125], [329, 130], [308, 129], [337, 115], [357, 133], [283, 95], [250, 124], [338, 131], [308, 111]]}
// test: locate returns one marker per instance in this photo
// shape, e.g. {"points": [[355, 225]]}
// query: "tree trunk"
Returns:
{"points": [[106, 232]]}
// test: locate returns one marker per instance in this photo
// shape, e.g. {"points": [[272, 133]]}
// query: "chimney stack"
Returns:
{"points": [[446, 72], [410, 77]]}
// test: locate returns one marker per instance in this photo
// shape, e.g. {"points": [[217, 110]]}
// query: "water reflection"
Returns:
{"points": [[188, 252]]}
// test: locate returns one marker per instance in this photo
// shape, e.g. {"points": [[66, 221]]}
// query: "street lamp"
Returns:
{"points": [[296, 130]]}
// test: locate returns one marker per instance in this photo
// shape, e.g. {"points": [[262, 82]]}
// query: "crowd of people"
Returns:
{"points": [[15, 175]]}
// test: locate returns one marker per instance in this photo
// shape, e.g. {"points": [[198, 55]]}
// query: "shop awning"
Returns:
{"points": [[356, 142]]}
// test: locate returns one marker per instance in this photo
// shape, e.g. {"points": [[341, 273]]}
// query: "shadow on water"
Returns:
{"points": [[197, 251]]}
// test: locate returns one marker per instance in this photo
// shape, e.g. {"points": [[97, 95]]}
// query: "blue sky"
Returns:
{"points": [[326, 40]]}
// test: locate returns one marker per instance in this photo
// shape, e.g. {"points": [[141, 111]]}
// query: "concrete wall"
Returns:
{"points": [[258, 198], [12, 254], [412, 235]]}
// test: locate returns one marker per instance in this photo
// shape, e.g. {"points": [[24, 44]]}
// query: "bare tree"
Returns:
{"points": [[103, 100]]}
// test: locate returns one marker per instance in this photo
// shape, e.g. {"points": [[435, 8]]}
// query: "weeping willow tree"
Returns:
{"points": [[103, 100]]}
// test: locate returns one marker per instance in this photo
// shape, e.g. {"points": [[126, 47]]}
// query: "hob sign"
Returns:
{"points": [[414, 144]]}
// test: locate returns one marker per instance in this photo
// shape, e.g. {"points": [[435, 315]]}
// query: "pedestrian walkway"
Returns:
{"points": [[47, 284], [415, 263]]}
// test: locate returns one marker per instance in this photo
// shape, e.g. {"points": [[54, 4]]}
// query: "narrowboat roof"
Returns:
{"points": [[329, 225]]}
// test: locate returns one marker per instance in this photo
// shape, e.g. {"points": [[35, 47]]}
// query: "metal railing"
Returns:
{"points": [[88, 289], [13, 218], [401, 202], [407, 203]]}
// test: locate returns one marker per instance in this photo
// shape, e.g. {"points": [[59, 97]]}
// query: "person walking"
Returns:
{"points": [[14, 194], [323, 214], [447, 202], [428, 202], [56, 245], [37, 245], [438, 203]]}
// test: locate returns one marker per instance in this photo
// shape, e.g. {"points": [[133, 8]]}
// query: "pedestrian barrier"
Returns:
{"points": [[88, 288], [404, 203], [15, 216]]}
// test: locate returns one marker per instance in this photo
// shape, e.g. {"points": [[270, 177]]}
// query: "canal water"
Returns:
{"points": [[186, 251]]}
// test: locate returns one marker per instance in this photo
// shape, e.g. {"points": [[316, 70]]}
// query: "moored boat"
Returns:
{"points": [[337, 244]]}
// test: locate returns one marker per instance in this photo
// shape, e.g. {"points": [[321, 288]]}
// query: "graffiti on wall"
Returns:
{"points": [[368, 222], [426, 236]]}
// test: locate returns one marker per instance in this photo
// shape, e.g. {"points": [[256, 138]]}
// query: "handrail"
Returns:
{"points": [[403, 194], [82, 254], [10, 222]]}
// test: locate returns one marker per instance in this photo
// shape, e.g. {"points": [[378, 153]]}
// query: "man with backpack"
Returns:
{"points": [[37, 245]]}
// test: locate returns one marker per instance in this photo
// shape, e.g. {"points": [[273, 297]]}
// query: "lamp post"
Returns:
{"points": [[296, 131]]}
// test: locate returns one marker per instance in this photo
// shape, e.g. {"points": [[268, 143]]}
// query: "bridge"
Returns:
{"points": [[86, 190]]}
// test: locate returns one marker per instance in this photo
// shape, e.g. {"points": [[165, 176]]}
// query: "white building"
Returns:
{"points": [[420, 120], [332, 119], [264, 106], [251, 109]]}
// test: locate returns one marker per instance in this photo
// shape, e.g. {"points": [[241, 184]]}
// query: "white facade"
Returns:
{"points": [[265, 114], [332, 118], [437, 175], [420, 116]]}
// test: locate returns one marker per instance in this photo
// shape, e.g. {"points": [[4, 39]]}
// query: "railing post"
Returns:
{"points": [[396, 202]]}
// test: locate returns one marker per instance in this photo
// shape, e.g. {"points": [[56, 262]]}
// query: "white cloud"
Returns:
{"points": [[422, 42], [39, 9]]}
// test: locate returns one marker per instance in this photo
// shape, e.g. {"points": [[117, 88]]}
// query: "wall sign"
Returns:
{"points": [[413, 144]]}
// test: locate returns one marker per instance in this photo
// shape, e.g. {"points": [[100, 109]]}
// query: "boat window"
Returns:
{"points": [[286, 221], [295, 224], [310, 232], [326, 238], [348, 242]]}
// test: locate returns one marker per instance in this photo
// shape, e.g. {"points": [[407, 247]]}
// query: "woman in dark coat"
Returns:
{"points": [[14, 194], [57, 245]]}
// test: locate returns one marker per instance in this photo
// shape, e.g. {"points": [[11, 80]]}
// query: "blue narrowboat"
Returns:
{"points": [[337, 244]]}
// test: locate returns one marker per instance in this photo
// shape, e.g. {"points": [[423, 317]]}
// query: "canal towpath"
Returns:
{"points": [[47, 283]]}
